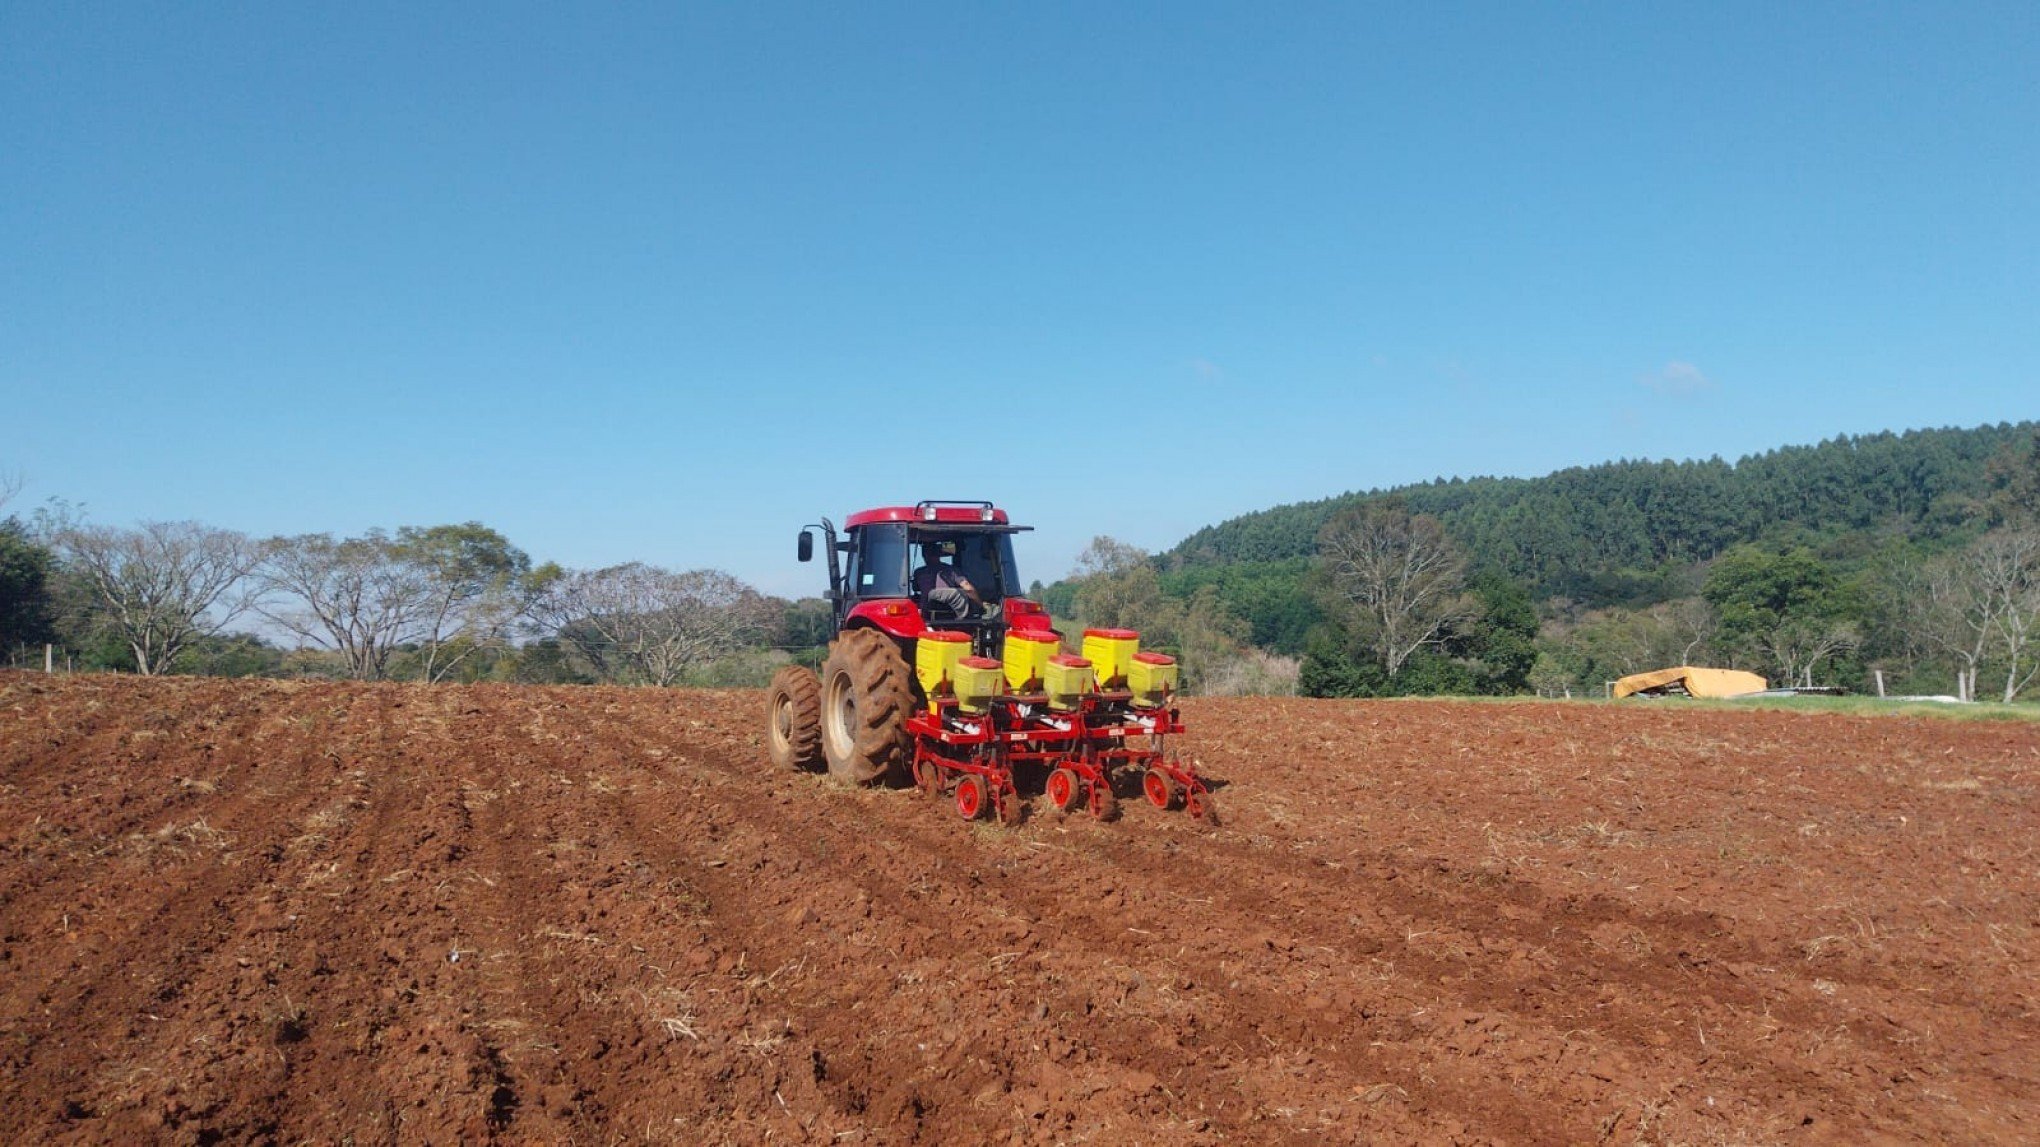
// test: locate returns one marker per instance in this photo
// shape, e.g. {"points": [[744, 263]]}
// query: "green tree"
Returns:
{"points": [[26, 570], [231, 655], [546, 661], [1059, 599], [1500, 644], [1116, 585], [1553, 675], [474, 589], [806, 624], [2014, 478], [1273, 598], [1783, 611], [1331, 669]]}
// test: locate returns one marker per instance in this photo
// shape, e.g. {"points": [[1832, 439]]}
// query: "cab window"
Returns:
{"points": [[878, 564], [986, 559]]}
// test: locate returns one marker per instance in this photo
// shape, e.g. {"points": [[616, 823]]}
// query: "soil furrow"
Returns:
{"points": [[257, 911]]}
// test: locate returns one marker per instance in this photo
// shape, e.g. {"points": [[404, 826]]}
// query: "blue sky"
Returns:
{"points": [[667, 281]]}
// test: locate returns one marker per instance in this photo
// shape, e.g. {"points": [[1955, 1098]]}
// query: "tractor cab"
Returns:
{"points": [[932, 565]]}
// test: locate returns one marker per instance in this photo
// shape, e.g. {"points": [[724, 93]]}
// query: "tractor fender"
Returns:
{"points": [[897, 618]]}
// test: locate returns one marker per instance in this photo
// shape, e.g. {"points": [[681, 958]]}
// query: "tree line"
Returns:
{"points": [[449, 602], [1913, 559], [1593, 534]]}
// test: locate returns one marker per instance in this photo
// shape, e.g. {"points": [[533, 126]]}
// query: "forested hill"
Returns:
{"points": [[1567, 533]]}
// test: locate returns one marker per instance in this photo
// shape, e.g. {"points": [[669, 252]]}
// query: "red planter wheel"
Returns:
{"points": [[1009, 808], [1065, 789], [927, 777], [970, 797], [1161, 789]]}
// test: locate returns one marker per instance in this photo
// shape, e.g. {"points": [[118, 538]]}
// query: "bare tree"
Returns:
{"points": [[1401, 574], [2006, 567], [1798, 645], [635, 622], [1690, 622], [1628, 641], [1977, 605], [163, 586], [447, 591], [1943, 610], [361, 597], [1623, 641]]}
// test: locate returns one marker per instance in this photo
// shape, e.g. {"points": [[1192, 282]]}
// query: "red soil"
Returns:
{"points": [[272, 911]]}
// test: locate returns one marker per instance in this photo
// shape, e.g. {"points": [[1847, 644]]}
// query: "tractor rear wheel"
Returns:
{"points": [[793, 719], [865, 701]]}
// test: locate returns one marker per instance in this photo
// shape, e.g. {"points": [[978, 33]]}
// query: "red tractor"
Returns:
{"points": [[942, 673]]}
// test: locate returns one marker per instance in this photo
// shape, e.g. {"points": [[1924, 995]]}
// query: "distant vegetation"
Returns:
{"points": [[1913, 555], [439, 603], [1602, 534]]}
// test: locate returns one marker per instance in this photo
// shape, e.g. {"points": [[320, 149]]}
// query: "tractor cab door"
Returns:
{"points": [[878, 567]]}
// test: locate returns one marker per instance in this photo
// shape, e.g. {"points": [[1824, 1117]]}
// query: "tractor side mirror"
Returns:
{"points": [[806, 548]]}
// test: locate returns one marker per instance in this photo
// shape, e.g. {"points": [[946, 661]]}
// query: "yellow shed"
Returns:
{"points": [[1691, 681]]}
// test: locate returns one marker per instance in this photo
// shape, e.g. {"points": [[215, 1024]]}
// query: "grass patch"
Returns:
{"points": [[1876, 707], [1846, 706]]}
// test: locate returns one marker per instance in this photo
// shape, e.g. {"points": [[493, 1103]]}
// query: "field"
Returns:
{"points": [[263, 911]]}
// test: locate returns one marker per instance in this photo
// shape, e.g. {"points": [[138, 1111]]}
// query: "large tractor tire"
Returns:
{"points": [[793, 719], [866, 696]]}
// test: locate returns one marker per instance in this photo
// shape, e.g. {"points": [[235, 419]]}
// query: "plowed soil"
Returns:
{"points": [[235, 911]]}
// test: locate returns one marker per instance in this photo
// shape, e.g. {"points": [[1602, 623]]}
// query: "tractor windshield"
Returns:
{"points": [[886, 554], [987, 560]]}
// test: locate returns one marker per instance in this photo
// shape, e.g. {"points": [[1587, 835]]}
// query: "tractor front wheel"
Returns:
{"points": [[793, 719], [865, 701]]}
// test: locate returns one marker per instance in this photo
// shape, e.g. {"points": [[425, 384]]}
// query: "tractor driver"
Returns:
{"points": [[943, 586]]}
